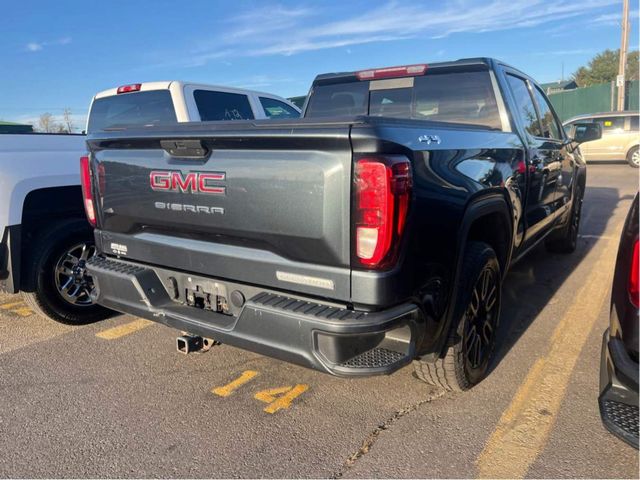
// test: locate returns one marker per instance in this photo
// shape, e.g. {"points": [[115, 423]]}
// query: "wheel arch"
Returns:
{"points": [[489, 219], [488, 206], [44, 210]]}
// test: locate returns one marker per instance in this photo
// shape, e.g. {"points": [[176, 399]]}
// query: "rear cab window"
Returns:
{"points": [[153, 107], [276, 109], [464, 97], [214, 106]]}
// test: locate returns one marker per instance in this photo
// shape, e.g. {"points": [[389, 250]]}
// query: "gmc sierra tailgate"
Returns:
{"points": [[259, 202]]}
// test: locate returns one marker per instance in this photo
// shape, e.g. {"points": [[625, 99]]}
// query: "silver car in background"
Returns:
{"points": [[620, 137]]}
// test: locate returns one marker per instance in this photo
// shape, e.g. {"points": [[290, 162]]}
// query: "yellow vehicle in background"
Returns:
{"points": [[620, 137]]}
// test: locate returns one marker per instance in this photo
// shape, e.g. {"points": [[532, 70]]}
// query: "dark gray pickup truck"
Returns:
{"points": [[375, 231]]}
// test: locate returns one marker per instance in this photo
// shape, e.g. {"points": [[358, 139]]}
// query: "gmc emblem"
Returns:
{"points": [[164, 181]]}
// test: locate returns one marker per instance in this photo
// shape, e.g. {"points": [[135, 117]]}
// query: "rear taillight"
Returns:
{"points": [[87, 192], [392, 72], [134, 87], [634, 273], [382, 195]]}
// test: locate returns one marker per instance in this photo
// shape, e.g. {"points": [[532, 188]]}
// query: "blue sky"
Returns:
{"points": [[57, 54]]}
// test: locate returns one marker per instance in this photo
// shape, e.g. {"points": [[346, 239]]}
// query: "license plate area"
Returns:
{"points": [[199, 293], [199, 298]]}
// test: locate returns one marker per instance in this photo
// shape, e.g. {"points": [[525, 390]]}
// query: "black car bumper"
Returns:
{"points": [[618, 398], [328, 337]]}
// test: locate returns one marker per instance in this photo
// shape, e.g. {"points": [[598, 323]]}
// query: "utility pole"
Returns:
{"points": [[620, 80]]}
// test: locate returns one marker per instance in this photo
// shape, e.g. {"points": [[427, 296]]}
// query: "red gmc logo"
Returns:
{"points": [[163, 181]]}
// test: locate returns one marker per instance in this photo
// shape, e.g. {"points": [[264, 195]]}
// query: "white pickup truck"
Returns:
{"points": [[45, 239]]}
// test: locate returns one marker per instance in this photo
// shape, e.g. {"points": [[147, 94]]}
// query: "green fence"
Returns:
{"points": [[594, 99]]}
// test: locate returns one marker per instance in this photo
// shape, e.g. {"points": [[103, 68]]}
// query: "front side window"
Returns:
{"points": [[550, 128], [214, 106], [567, 128], [276, 109], [524, 105]]}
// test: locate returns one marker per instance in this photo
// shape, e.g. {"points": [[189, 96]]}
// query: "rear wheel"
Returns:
{"points": [[472, 341], [59, 285], [566, 240], [633, 157]]}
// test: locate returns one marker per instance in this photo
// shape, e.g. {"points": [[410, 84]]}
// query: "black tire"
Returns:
{"points": [[469, 353], [633, 158], [566, 239], [39, 270]]}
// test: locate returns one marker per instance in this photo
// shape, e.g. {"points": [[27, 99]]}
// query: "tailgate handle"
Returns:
{"points": [[184, 148]]}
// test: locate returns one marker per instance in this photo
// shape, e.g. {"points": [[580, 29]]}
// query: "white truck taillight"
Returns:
{"points": [[382, 194], [87, 192]]}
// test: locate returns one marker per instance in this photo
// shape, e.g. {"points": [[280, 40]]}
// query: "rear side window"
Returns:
{"points": [[524, 105], [455, 97], [276, 109], [635, 123], [140, 108], [214, 106], [611, 123], [550, 128]]}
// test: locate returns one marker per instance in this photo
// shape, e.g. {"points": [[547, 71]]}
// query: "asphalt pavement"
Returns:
{"points": [[115, 399]]}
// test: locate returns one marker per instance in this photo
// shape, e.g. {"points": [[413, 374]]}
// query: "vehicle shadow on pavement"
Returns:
{"points": [[532, 283]]}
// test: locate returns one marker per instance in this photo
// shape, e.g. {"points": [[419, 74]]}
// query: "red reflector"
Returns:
{"points": [[634, 273], [134, 87], [391, 72], [87, 194], [382, 193]]}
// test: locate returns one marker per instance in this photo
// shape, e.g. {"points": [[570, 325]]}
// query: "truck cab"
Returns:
{"points": [[153, 103]]}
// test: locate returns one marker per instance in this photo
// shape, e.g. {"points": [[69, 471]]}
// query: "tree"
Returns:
{"points": [[46, 123], [68, 122], [603, 68]]}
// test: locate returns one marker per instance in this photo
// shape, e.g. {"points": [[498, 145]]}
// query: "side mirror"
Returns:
{"points": [[586, 132]]}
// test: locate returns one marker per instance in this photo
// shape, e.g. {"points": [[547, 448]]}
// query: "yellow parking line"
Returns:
{"points": [[22, 311], [231, 387], [122, 330], [524, 427], [8, 306]]}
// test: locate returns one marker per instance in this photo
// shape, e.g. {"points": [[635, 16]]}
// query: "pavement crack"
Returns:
{"points": [[371, 439]]}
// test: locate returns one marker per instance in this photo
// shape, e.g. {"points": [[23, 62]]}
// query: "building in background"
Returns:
{"points": [[555, 87], [10, 127], [298, 101]]}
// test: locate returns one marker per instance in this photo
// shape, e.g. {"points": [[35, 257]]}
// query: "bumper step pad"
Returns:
{"points": [[622, 415], [375, 358]]}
